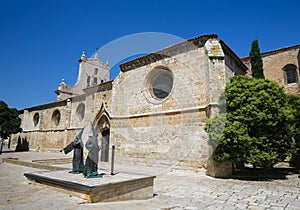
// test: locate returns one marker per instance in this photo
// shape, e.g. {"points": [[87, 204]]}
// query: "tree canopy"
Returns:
{"points": [[256, 61], [258, 125], [9, 120]]}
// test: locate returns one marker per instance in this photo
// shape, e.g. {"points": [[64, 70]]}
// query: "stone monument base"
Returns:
{"points": [[118, 187]]}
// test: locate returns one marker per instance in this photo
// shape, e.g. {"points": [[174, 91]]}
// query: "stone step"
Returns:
{"points": [[56, 161], [32, 164]]}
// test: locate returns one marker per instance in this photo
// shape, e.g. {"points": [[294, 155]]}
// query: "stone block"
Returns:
{"points": [[219, 169]]}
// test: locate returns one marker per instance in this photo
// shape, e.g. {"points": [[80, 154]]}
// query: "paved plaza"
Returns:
{"points": [[174, 189]]}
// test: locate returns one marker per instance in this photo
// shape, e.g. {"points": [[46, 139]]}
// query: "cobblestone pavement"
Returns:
{"points": [[173, 190]]}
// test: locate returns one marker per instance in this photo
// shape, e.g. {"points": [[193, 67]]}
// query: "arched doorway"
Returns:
{"points": [[104, 129]]}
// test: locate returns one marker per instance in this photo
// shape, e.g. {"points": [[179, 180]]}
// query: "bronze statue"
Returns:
{"points": [[76, 144], [91, 162]]}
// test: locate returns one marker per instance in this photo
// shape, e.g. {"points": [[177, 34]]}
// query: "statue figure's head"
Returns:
{"points": [[92, 142], [95, 133], [77, 139]]}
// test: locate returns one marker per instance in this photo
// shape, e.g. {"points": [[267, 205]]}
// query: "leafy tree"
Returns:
{"points": [[294, 101], [256, 61], [258, 123], [9, 120]]}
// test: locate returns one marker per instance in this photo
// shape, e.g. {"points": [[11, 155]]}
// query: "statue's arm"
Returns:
{"points": [[68, 148]]}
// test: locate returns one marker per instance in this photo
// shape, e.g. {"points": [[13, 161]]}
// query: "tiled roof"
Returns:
{"points": [[176, 49]]}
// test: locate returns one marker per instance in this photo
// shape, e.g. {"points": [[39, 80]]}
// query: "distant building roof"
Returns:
{"points": [[273, 52]]}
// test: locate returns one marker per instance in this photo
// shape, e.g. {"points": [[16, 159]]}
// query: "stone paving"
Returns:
{"points": [[174, 189]]}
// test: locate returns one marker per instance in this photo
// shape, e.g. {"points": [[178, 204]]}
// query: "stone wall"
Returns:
{"points": [[46, 134], [169, 131], [153, 131], [165, 129]]}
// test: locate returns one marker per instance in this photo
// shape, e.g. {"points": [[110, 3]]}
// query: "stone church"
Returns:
{"points": [[155, 110]]}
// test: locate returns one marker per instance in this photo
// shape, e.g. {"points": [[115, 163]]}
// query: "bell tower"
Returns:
{"points": [[91, 72]]}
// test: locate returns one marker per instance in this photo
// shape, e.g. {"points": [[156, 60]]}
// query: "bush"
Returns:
{"points": [[258, 126]]}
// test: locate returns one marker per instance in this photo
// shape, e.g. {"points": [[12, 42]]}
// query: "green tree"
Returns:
{"points": [[256, 61], [258, 124], [294, 101], [9, 120]]}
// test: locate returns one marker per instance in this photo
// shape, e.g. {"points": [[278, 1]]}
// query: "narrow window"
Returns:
{"points": [[36, 119], [95, 71], [88, 81], [80, 111], [95, 81], [56, 117]]}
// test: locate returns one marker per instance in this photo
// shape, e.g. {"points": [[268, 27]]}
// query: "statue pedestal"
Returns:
{"points": [[119, 187]]}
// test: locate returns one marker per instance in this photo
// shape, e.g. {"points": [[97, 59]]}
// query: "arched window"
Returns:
{"points": [[36, 119], [80, 111], [56, 117], [291, 74]]}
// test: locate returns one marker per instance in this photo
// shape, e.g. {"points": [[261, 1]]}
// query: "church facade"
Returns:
{"points": [[155, 110]]}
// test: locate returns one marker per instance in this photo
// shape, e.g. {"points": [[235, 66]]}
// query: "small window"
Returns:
{"points": [[95, 81], [36, 119], [291, 74], [95, 71], [80, 111], [88, 81], [56, 117]]}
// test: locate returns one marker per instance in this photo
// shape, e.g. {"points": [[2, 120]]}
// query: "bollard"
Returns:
{"points": [[112, 160]]}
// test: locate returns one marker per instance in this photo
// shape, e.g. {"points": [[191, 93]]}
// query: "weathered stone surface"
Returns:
{"points": [[215, 169]]}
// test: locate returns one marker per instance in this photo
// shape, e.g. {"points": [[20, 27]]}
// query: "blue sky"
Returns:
{"points": [[41, 40]]}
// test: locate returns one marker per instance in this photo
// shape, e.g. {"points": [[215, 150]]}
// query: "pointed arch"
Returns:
{"points": [[102, 125], [103, 112]]}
